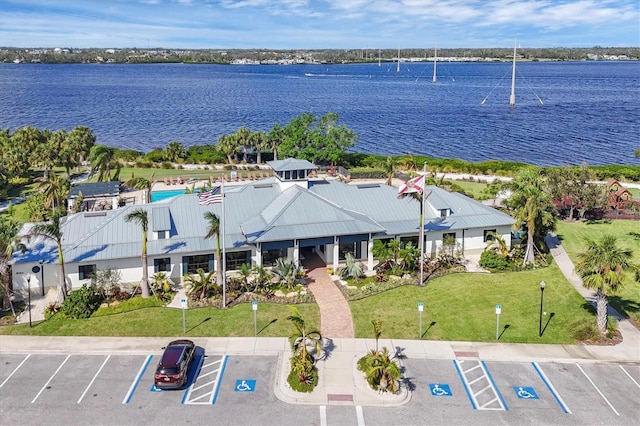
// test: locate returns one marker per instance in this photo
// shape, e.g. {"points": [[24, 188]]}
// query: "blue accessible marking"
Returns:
{"points": [[440, 390], [525, 392], [245, 385]]}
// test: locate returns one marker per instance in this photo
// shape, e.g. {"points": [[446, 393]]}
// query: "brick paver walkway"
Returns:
{"points": [[335, 314]]}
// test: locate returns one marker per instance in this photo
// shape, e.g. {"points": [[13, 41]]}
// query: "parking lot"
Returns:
{"points": [[238, 389]]}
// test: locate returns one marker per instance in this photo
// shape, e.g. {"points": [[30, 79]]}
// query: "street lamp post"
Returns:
{"points": [[542, 285], [29, 297], [42, 277]]}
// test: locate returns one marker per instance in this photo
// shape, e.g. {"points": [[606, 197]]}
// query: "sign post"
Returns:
{"points": [[420, 309], [254, 306], [498, 312], [183, 303]]}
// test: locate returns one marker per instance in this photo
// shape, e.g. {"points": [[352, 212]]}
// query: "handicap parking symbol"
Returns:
{"points": [[440, 390], [245, 385], [525, 392]]}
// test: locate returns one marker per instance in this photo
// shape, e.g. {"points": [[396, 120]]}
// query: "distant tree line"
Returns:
{"points": [[328, 56]]}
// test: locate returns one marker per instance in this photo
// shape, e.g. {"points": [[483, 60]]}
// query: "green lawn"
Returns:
{"points": [[572, 235], [236, 321], [462, 307]]}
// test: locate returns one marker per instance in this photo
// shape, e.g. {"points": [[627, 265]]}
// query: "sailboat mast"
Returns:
{"points": [[435, 60], [512, 98], [398, 69]]}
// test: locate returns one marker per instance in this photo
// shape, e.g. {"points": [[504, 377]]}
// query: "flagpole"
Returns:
{"points": [[422, 226], [224, 255]]}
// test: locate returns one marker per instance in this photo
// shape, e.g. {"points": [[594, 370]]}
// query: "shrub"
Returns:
{"points": [[491, 260], [582, 330], [303, 382], [81, 303], [167, 165]]}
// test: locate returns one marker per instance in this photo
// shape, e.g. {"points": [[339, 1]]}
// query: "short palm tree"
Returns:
{"points": [[302, 339], [383, 374], [142, 183], [53, 231], [602, 268], [286, 272], [140, 217], [352, 268], [199, 283]]}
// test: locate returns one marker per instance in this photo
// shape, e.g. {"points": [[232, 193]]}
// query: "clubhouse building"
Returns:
{"points": [[290, 214]]}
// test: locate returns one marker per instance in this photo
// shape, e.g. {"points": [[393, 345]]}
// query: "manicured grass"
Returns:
{"points": [[236, 321], [462, 307], [573, 234], [472, 188]]}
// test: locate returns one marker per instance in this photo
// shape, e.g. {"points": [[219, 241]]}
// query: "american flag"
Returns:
{"points": [[210, 197]]}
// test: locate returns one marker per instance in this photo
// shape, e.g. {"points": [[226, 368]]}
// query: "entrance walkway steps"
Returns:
{"points": [[335, 315]]}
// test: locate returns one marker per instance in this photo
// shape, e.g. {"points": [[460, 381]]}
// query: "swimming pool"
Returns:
{"points": [[161, 195]]}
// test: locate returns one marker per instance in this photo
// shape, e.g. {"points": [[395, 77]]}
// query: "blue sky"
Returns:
{"points": [[309, 24]]}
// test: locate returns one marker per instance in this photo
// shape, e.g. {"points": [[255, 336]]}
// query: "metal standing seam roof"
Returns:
{"points": [[291, 164], [260, 211]]}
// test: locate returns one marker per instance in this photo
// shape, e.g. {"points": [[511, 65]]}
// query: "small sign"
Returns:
{"points": [[420, 306], [498, 309], [245, 385], [183, 303], [440, 390], [254, 305], [525, 392]]}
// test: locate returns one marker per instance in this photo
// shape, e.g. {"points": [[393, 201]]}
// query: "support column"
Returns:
{"points": [[336, 253], [370, 254], [296, 252]]}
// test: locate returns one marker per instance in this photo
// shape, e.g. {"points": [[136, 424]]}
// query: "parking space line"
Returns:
{"points": [[136, 381], [14, 370], [217, 388], [464, 384], [94, 379], [503, 403], [596, 388], [51, 378], [323, 415], [360, 415], [625, 372], [215, 379], [551, 388]]}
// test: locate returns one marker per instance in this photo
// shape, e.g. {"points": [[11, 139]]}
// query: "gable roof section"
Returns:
{"points": [[298, 214]]}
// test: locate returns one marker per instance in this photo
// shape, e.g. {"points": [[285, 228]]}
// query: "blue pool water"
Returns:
{"points": [[161, 195]]}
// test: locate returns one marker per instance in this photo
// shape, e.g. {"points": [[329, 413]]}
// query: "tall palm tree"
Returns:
{"points": [[258, 142], [55, 189], [303, 339], [175, 151], [102, 159], [532, 207], [602, 268], [243, 139], [389, 166], [78, 145], [53, 230], [142, 183], [140, 217], [9, 242], [213, 230]]}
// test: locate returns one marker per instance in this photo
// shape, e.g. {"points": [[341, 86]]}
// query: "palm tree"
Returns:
{"points": [[302, 339], [199, 283], [102, 159], [286, 272], [602, 268], [213, 230], [53, 230], [140, 217], [389, 166], [55, 189], [175, 151], [382, 372], [9, 242], [274, 138], [259, 143], [142, 183], [533, 207]]}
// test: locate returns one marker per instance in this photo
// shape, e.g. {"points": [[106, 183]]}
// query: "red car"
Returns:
{"points": [[172, 371]]}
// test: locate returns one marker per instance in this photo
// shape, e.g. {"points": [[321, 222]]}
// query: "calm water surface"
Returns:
{"points": [[590, 112]]}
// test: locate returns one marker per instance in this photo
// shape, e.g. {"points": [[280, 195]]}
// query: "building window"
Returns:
{"points": [[162, 235], [444, 212], [489, 235], [345, 248], [194, 263], [238, 258], [162, 265], [86, 272], [451, 236], [269, 257], [412, 240]]}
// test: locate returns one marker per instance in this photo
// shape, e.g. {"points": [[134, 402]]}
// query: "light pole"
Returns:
{"points": [[542, 285], [29, 297], [42, 277]]}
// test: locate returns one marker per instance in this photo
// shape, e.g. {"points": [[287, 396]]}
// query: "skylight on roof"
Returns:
{"points": [[368, 185]]}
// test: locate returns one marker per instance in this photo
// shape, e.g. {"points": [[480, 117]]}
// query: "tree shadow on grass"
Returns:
{"points": [[626, 307]]}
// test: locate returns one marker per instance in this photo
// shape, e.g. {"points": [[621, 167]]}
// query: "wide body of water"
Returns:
{"points": [[591, 110]]}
